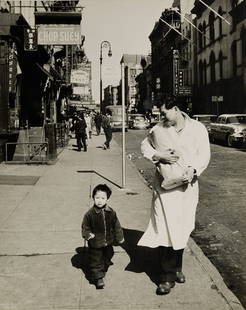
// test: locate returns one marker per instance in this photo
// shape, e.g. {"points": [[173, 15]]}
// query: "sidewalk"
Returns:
{"points": [[40, 240]]}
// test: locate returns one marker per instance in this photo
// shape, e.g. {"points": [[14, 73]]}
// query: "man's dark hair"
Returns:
{"points": [[171, 101], [102, 188]]}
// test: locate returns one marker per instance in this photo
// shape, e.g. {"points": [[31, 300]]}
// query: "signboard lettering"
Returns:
{"points": [[59, 34]]}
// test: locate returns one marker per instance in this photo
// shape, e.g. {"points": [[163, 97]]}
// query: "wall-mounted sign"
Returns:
{"points": [[80, 77], [59, 34]]}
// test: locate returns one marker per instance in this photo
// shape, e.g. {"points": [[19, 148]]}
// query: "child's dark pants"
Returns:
{"points": [[100, 260]]}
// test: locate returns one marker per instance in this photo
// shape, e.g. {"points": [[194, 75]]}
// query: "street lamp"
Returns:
{"points": [[104, 44]]}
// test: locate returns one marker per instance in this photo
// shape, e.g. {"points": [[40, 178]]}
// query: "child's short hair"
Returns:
{"points": [[102, 188]]}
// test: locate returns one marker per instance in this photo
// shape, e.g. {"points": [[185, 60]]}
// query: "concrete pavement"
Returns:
{"points": [[41, 265]]}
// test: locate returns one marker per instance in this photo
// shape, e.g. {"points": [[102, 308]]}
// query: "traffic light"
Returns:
{"points": [[30, 39]]}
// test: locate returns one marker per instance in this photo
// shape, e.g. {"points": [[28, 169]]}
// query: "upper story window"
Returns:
{"points": [[221, 65], [243, 45], [204, 33], [234, 4], [212, 67], [234, 58], [220, 11], [201, 73], [200, 40], [205, 72], [211, 26]]}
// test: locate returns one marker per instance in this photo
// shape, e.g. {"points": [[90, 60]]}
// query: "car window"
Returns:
{"points": [[232, 119], [139, 118], [237, 119]]}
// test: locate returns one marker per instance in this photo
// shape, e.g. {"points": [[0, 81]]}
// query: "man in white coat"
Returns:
{"points": [[173, 211]]}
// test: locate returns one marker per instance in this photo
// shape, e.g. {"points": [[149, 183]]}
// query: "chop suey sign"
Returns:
{"points": [[59, 34]]}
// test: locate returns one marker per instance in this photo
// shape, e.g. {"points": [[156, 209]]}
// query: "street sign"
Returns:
{"points": [[217, 98], [184, 90]]}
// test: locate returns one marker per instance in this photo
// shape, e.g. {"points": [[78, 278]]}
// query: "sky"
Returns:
{"points": [[126, 24]]}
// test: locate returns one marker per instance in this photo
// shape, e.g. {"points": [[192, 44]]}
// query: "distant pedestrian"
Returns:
{"points": [[98, 123], [79, 127], [107, 130], [101, 228], [177, 138], [88, 121]]}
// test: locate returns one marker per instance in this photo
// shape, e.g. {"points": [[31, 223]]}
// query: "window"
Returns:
{"points": [[211, 26], [200, 37], [234, 58], [212, 67], [243, 45], [220, 11], [200, 73], [205, 72], [234, 4], [204, 34], [221, 65]]}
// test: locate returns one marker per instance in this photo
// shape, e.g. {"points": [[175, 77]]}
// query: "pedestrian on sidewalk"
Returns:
{"points": [[79, 127], [88, 120], [101, 228], [107, 130], [173, 210], [98, 123]]}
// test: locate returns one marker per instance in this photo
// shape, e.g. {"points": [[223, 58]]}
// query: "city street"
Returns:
{"points": [[220, 228]]}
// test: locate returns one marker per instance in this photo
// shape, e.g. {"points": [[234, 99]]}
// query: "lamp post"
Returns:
{"points": [[104, 44]]}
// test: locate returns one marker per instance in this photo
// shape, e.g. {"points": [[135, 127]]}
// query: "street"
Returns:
{"points": [[220, 228]]}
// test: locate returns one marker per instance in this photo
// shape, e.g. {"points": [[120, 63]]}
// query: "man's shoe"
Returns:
{"points": [[180, 277], [164, 288], [100, 284]]}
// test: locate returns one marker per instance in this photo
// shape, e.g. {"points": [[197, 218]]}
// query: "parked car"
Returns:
{"points": [[228, 128], [138, 121], [206, 119]]}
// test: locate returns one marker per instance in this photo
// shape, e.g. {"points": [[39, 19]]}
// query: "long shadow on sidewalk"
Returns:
{"points": [[142, 259]]}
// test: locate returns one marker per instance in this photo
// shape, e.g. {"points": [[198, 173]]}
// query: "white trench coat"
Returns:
{"points": [[172, 217]]}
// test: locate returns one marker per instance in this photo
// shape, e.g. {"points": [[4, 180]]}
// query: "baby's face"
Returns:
{"points": [[100, 199]]}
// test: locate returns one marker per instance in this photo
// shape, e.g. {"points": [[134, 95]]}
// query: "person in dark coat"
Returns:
{"points": [[107, 130], [101, 228], [80, 132], [98, 123]]}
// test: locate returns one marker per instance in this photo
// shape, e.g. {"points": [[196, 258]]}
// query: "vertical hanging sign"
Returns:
{"points": [[175, 72]]}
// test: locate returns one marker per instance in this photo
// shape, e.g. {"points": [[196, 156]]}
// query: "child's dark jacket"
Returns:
{"points": [[104, 224]]}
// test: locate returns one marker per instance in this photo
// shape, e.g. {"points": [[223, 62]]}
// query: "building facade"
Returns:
{"points": [[133, 66], [221, 57]]}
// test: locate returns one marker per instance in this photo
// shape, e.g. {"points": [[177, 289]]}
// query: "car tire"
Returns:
{"points": [[229, 141], [211, 138]]}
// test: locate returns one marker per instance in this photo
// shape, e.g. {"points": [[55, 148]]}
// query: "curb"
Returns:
{"points": [[219, 284]]}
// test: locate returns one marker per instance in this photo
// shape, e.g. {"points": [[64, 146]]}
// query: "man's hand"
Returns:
{"points": [[190, 173], [166, 157]]}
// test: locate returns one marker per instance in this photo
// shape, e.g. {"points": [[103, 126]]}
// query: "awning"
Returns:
{"points": [[58, 18], [8, 20]]}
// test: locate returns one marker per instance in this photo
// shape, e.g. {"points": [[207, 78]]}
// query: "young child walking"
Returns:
{"points": [[101, 228]]}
